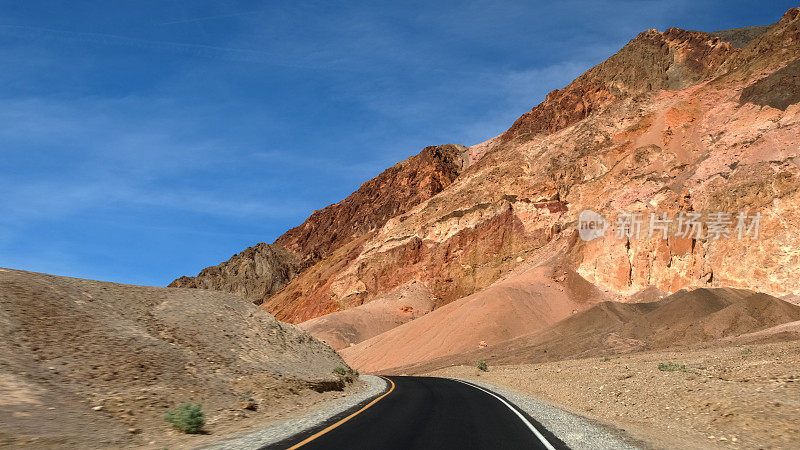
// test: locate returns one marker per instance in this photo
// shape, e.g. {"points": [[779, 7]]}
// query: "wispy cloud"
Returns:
{"points": [[74, 156]]}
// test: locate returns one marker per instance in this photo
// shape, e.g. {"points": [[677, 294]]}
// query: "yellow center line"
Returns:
{"points": [[320, 433]]}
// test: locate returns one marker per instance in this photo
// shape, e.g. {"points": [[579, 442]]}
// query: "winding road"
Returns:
{"points": [[429, 413]]}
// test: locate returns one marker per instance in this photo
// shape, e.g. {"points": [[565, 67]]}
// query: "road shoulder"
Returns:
{"points": [[283, 430]]}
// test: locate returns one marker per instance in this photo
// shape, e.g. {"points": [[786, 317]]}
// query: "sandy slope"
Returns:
{"points": [[351, 326], [88, 363], [518, 305], [684, 319]]}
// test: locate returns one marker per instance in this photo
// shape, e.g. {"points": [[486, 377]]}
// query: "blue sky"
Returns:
{"points": [[144, 140]]}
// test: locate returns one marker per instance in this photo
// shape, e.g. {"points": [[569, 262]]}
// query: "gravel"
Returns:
{"points": [[575, 431], [283, 429]]}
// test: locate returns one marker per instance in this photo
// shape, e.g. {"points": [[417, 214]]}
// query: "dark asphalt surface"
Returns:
{"points": [[430, 413]]}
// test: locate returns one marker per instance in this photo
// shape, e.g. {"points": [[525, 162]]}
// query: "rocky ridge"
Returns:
{"points": [[675, 122], [255, 273], [259, 271]]}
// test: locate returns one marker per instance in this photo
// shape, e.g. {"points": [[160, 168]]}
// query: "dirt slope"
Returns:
{"points": [[344, 328], [518, 305], [130, 352], [681, 320], [722, 397]]}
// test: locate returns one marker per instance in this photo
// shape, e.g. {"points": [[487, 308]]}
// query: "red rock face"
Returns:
{"points": [[472, 258], [560, 109], [259, 271], [393, 192]]}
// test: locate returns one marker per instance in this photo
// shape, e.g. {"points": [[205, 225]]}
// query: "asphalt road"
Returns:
{"points": [[430, 413]]}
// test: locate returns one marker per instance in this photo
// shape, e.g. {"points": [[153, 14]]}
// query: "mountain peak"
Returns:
{"points": [[653, 60]]}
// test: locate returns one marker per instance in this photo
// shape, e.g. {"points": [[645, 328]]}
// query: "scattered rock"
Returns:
{"points": [[249, 404]]}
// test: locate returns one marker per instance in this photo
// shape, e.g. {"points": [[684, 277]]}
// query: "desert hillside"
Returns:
{"points": [[675, 122], [107, 360], [729, 397], [682, 320], [344, 328], [520, 304]]}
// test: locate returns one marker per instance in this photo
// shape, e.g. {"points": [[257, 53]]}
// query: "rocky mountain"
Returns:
{"points": [[393, 192], [259, 271], [740, 37], [651, 62], [675, 122]]}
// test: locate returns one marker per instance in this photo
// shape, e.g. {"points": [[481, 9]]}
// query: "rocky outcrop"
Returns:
{"points": [[652, 61], [474, 256], [255, 273], [259, 271], [779, 89], [740, 37], [393, 192], [766, 53]]}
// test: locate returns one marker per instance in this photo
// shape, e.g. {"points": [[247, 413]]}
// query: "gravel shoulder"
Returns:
{"points": [[575, 431], [284, 429]]}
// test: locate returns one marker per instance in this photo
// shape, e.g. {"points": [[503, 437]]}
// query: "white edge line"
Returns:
{"points": [[524, 420]]}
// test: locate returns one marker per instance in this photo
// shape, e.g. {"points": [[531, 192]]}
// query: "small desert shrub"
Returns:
{"points": [[606, 359], [482, 366], [355, 372], [187, 418], [340, 371], [671, 367], [746, 351]]}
